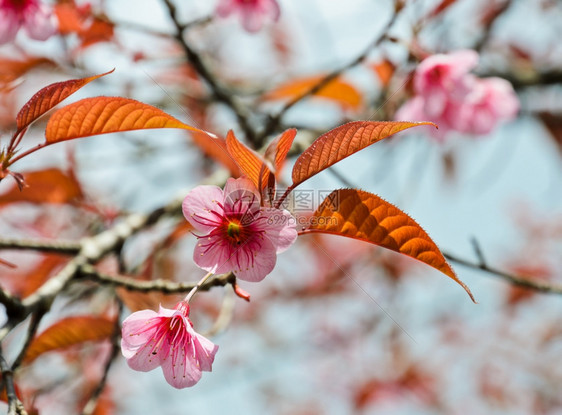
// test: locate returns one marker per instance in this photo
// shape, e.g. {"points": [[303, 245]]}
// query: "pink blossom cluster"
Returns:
{"points": [[447, 94], [35, 17], [252, 13], [237, 235]]}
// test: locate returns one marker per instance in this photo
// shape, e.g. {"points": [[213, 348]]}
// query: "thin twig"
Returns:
{"points": [[90, 406], [541, 286], [8, 384], [219, 92], [31, 331], [275, 120]]}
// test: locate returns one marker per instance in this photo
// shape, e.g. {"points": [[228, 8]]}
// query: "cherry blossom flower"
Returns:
{"points": [[236, 233], [252, 12], [167, 339], [456, 100], [36, 19]]}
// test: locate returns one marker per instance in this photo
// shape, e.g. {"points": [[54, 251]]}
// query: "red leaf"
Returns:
{"points": [[364, 216], [103, 115], [45, 186], [68, 332], [50, 96], [342, 142]]}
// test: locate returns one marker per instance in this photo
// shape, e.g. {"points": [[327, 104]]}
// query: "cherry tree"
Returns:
{"points": [[242, 193]]}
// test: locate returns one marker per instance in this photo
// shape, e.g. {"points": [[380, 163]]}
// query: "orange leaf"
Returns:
{"points": [[11, 70], [336, 90], [384, 71], [98, 31], [103, 115], [68, 332], [70, 17], [45, 186], [248, 160], [342, 142], [215, 148], [50, 96], [278, 149], [364, 216]]}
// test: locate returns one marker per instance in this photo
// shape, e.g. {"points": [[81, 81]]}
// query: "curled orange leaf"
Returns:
{"points": [[336, 90], [277, 150], [342, 142], [103, 115], [68, 332], [48, 97], [364, 216]]}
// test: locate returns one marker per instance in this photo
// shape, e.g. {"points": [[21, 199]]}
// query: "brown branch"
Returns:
{"points": [[90, 406], [541, 286], [274, 121], [219, 92], [59, 247], [163, 286], [31, 331], [14, 404], [92, 250]]}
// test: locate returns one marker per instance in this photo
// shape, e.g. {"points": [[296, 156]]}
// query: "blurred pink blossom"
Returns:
{"points": [[167, 339], [237, 234], [252, 13], [447, 94], [36, 18]]}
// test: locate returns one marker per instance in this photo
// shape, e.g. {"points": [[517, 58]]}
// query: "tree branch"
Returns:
{"points": [[219, 92], [92, 250], [541, 286], [275, 120], [163, 286], [14, 404], [90, 406], [59, 247]]}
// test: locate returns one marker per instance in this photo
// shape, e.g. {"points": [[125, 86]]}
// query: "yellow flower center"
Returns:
{"points": [[233, 230]]}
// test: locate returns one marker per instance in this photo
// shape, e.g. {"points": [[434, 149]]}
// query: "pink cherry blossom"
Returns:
{"points": [[252, 12], [167, 339], [36, 18], [236, 233], [447, 94]]}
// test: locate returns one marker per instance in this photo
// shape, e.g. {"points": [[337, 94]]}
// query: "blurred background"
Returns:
{"points": [[340, 326]]}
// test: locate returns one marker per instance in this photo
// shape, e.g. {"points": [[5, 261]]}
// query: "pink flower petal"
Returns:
{"points": [[213, 254], [280, 228], [199, 205], [205, 350], [252, 20], [135, 331], [41, 24], [241, 198], [9, 26], [179, 370], [254, 265], [225, 8]]}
